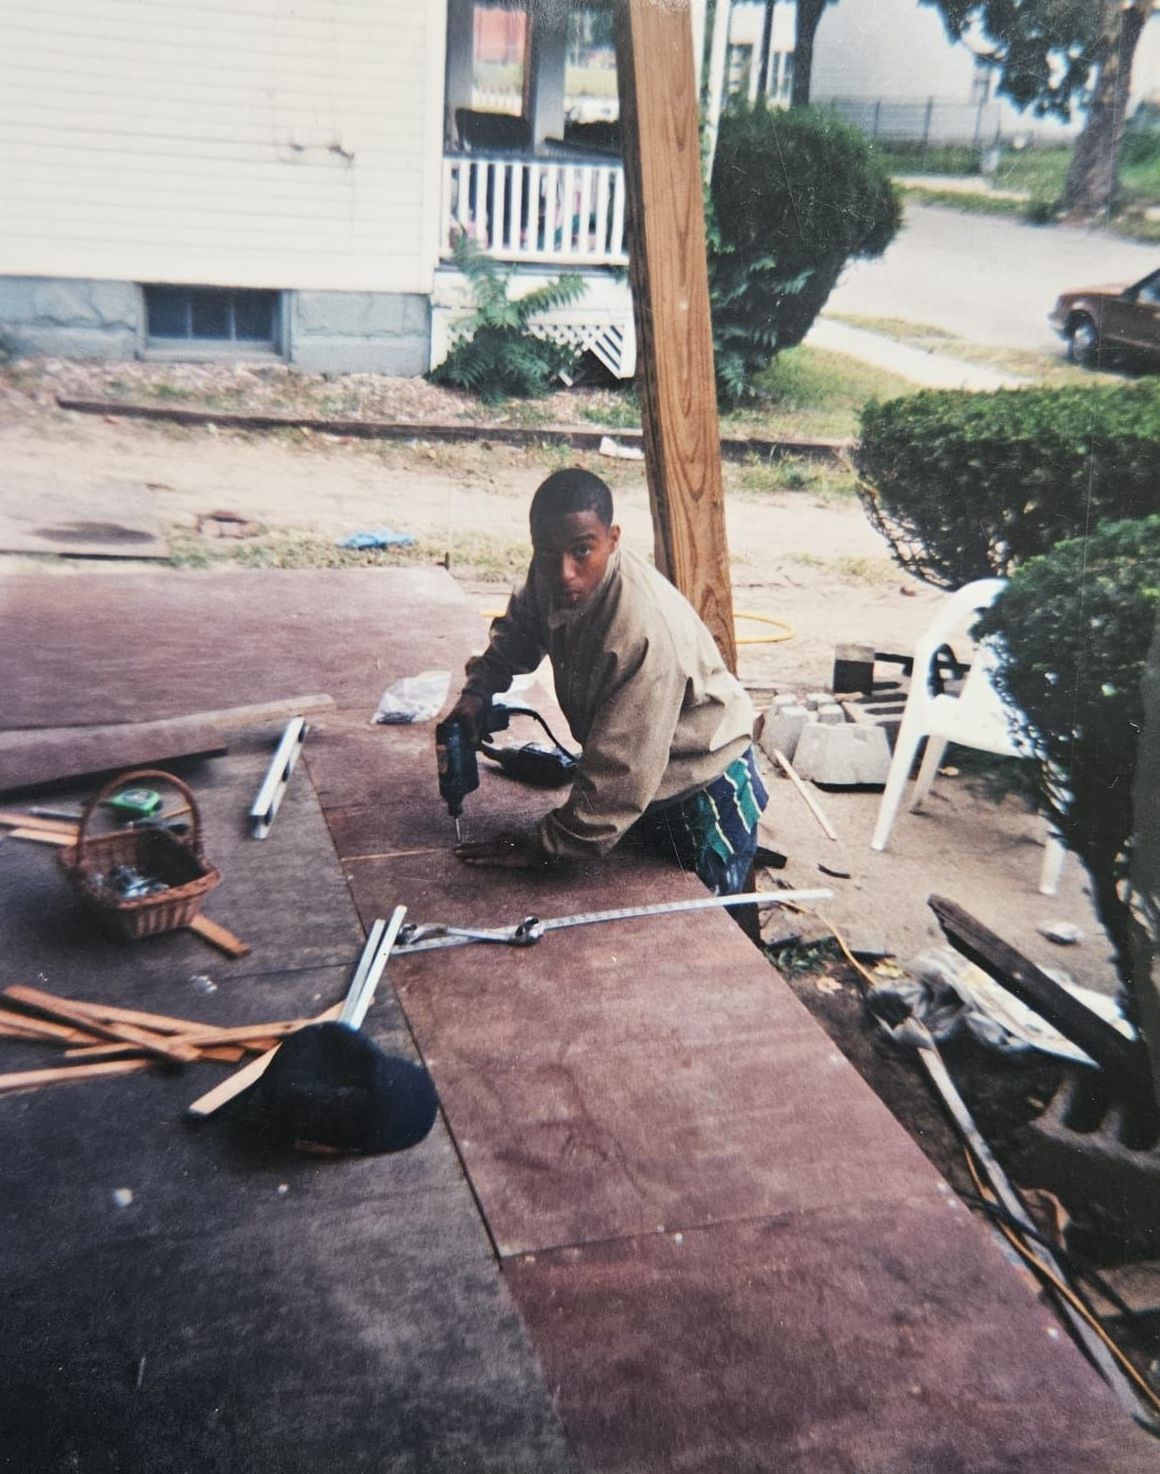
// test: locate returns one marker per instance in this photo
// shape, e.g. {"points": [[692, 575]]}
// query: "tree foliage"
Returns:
{"points": [[1073, 630], [1044, 50], [1051, 54], [497, 352], [794, 196]]}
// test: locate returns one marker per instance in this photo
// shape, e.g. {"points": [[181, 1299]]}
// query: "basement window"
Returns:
{"points": [[209, 319]]}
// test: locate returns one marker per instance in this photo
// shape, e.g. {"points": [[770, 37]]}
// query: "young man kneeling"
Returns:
{"points": [[665, 728]]}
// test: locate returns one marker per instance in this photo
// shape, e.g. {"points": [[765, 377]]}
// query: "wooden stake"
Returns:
{"points": [[662, 176], [218, 936], [60, 1074], [815, 808]]}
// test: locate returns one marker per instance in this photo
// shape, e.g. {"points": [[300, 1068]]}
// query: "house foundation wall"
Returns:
{"points": [[71, 318], [359, 332], [323, 332]]}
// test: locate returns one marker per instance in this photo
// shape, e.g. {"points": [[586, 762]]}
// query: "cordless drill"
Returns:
{"points": [[455, 751]]}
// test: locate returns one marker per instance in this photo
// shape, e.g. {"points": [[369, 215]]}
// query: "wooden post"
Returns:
{"points": [[670, 290]]}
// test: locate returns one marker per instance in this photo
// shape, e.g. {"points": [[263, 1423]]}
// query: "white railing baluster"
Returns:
{"points": [[551, 208], [535, 209], [586, 243], [447, 219], [499, 233], [568, 242], [517, 200], [616, 246], [600, 233]]}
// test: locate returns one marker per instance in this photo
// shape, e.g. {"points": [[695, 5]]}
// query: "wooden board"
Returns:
{"points": [[168, 647], [33, 759]]}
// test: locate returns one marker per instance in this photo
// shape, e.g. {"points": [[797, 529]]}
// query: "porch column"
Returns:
{"points": [[460, 61], [544, 72]]}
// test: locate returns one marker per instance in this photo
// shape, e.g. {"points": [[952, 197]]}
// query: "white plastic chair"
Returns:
{"points": [[977, 717]]}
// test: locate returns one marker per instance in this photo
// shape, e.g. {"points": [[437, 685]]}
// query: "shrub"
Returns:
{"points": [[498, 351], [1073, 631], [794, 196], [966, 486]]}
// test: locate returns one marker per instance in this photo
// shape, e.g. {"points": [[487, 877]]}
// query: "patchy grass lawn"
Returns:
{"points": [[812, 392]]}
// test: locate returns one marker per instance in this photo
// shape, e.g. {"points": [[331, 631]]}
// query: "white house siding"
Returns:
{"points": [[245, 143]]}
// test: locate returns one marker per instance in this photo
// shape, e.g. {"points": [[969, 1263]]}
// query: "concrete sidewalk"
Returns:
{"points": [[930, 370]]}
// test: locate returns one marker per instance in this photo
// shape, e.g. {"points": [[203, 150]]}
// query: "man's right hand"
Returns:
{"points": [[468, 709]]}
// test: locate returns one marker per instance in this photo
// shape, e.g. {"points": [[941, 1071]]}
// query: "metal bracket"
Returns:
{"points": [[282, 764]]}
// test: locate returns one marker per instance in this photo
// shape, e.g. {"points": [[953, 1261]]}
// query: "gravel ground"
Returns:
{"points": [[275, 388]]}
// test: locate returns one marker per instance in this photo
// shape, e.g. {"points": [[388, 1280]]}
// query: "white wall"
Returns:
{"points": [[264, 143]]}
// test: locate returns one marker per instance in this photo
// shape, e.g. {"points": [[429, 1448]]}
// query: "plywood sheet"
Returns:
{"points": [[887, 1338], [327, 1338], [616, 1077], [151, 646], [91, 519]]}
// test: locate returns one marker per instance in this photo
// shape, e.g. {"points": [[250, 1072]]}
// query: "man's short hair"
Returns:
{"points": [[565, 492]]}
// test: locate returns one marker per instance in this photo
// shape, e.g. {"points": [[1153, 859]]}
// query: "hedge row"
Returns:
{"points": [[966, 485]]}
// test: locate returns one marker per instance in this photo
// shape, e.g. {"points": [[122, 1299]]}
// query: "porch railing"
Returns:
{"points": [[562, 212]]}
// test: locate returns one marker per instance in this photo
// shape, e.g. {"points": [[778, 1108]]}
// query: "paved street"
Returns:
{"points": [[985, 278]]}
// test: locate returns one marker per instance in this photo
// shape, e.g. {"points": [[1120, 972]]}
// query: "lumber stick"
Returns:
{"points": [[159, 1023], [43, 836], [219, 936], [14, 819], [229, 1053], [812, 804], [22, 1026], [213, 1100], [265, 1034], [171, 1049], [61, 1074], [1124, 1060]]}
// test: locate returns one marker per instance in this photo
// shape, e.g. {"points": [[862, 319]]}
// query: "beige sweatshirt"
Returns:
{"points": [[643, 688]]}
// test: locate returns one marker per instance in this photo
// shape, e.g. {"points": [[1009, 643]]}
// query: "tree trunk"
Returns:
{"points": [[1091, 179], [809, 13]]}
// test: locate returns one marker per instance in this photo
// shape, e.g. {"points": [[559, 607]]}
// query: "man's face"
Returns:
{"points": [[572, 553]]}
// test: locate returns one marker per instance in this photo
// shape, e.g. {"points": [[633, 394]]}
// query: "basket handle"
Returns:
{"points": [[128, 780]]}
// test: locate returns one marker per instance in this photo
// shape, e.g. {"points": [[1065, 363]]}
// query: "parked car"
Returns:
{"points": [[1100, 323]]}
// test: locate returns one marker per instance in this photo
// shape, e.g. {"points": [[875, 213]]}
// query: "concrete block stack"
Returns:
{"points": [[813, 733]]}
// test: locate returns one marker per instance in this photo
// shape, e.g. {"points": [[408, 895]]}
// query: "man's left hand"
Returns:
{"points": [[513, 849]]}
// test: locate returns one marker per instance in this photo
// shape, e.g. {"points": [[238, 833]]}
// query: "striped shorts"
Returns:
{"points": [[712, 831]]}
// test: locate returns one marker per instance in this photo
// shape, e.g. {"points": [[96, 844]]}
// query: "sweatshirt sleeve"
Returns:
{"points": [[625, 755], [516, 646]]}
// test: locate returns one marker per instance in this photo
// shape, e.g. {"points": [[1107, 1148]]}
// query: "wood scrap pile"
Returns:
{"points": [[99, 1039]]}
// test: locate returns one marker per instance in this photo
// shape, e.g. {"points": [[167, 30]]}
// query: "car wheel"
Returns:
{"points": [[1083, 342]]}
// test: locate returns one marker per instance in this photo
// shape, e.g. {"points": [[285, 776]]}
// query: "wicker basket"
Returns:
{"points": [[179, 862]]}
